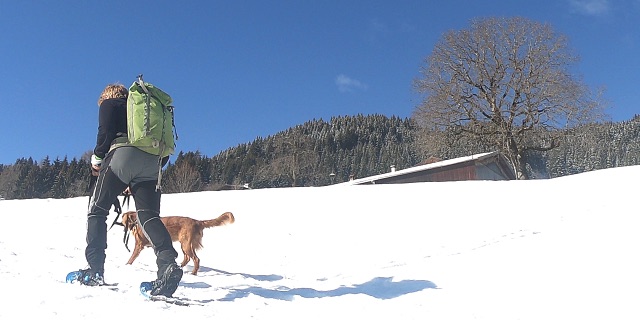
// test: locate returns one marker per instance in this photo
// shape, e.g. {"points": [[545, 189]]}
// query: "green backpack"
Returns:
{"points": [[150, 120]]}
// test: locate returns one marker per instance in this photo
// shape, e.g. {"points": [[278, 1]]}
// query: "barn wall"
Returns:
{"points": [[462, 172], [490, 171], [456, 172]]}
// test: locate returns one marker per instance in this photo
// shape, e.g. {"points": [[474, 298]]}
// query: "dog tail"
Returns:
{"points": [[223, 219]]}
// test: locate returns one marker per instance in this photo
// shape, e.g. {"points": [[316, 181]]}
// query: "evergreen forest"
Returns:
{"points": [[320, 153]]}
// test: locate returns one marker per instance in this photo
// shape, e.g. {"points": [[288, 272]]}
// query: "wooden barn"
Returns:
{"points": [[484, 166]]}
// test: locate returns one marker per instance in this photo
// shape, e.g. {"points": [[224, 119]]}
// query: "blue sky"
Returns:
{"points": [[239, 70]]}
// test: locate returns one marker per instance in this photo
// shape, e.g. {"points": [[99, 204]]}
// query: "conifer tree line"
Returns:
{"points": [[320, 153]]}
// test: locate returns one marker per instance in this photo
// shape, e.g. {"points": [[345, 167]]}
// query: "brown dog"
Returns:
{"points": [[186, 230]]}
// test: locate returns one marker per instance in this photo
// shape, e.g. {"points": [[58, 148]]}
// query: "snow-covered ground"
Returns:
{"points": [[565, 248]]}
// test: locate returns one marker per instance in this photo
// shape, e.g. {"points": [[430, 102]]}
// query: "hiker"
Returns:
{"points": [[121, 166]]}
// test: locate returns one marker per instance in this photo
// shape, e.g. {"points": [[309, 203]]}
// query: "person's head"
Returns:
{"points": [[113, 91]]}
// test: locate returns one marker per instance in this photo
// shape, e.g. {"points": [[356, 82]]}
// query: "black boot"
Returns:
{"points": [[168, 279], [91, 278]]}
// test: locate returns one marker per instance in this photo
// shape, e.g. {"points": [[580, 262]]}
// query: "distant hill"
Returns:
{"points": [[319, 153]]}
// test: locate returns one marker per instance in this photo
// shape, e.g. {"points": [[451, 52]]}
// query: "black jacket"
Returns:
{"points": [[112, 119]]}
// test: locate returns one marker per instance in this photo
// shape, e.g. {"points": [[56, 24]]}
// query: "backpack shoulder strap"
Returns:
{"points": [[140, 83]]}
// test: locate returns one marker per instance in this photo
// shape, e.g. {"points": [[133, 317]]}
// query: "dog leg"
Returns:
{"points": [[185, 260], [190, 253], [196, 263], [135, 254], [186, 250]]}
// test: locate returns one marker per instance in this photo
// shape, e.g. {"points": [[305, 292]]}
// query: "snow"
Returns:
{"points": [[564, 248]]}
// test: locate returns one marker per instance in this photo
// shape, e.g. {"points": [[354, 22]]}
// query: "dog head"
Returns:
{"points": [[129, 220]]}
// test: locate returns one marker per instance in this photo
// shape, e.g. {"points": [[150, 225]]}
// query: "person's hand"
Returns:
{"points": [[95, 164]]}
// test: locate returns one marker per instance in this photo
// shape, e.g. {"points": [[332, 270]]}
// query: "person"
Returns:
{"points": [[119, 166]]}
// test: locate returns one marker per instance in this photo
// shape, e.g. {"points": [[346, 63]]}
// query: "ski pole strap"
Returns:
{"points": [[118, 210], [125, 239], [126, 199]]}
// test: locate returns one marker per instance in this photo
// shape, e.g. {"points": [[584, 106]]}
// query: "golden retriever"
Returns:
{"points": [[186, 230]]}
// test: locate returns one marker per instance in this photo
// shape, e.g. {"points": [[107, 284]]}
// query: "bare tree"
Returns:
{"points": [[295, 159], [183, 178], [507, 83]]}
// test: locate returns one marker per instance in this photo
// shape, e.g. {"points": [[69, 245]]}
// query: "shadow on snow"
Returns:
{"points": [[379, 288]]}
